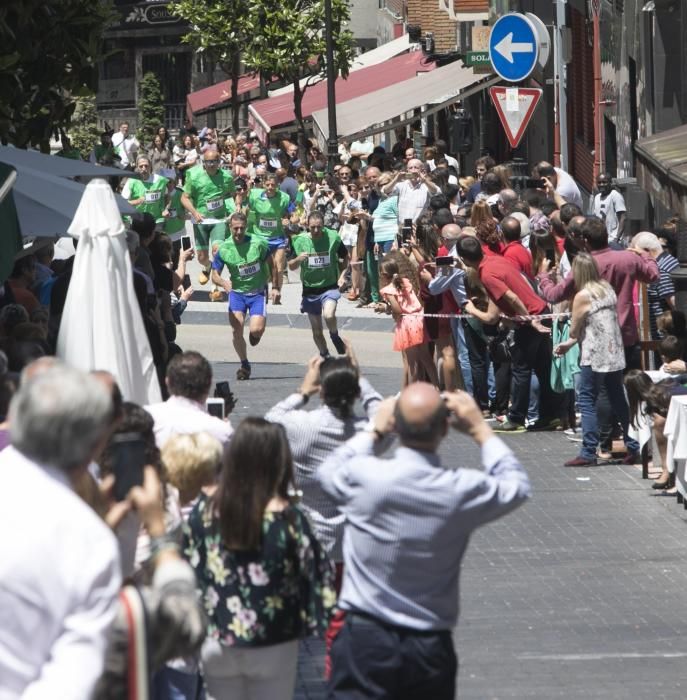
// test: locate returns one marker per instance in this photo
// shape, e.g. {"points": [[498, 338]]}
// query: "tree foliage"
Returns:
{"points": [[151, 108], [50, 53], [291, 45], [283, 40], [221, 30], [84, 133]]}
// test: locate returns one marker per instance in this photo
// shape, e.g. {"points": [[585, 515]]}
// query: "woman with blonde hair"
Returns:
{"points": [[192, 462], [602, 357]]}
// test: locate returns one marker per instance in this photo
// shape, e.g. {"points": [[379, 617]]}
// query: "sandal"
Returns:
{"points": [[352, 296]]}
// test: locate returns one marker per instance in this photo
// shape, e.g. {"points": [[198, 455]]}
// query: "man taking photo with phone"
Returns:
{"points": [[413, 188], [188, 379]]}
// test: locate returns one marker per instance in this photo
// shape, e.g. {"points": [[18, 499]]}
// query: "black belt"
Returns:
{"points": [[353, 614]]}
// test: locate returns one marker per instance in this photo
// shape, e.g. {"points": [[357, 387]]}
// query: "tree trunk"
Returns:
{"points": [[235, 106], [298, 93]]}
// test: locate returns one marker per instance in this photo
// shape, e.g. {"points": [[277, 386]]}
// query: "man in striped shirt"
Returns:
{"points": [[408, 521]]}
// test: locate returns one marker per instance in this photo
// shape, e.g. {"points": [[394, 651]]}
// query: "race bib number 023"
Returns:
{"points": [[315, 261]]}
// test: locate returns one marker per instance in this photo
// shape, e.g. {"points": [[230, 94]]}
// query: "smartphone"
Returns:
{"points": [[186, 242], [223, 391], [407, 230], [215, 407], [536, 183], [186, 282], [444, 260], [129, 457], [409, 176], [551, 255]]}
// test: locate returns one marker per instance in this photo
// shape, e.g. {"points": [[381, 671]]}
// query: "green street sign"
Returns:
{"points": [[477, 58]]}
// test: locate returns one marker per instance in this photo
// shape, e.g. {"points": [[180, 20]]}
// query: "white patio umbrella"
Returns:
{"points": [[101, 324]]}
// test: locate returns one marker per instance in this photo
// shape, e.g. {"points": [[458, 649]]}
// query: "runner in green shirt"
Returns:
{"points": [[149, 194], [269, 210], [247, 259], [205, 189], [322, 257]]}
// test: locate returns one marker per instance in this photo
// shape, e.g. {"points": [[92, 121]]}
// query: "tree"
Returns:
{"points": [[221, 29], [84, 133], [50, 54], [289, 44], [151, 108]]}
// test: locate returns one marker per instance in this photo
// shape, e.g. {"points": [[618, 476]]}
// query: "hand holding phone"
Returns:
{"points": [[129, 457], [223, 391], [215, 407]]}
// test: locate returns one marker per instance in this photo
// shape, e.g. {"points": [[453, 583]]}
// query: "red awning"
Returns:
{"points": [[209, 97], [277, 111]]}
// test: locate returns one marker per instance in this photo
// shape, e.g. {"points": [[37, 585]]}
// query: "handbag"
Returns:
{"points": [[500, 345]]}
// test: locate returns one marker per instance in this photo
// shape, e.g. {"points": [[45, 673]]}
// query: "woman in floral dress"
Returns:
{"points": [[264, 580]]}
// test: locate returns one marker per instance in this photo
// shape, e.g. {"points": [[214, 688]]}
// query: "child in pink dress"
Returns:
{"points": [[409, 335]]}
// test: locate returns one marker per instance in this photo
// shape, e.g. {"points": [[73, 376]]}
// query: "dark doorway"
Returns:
{"points": [[610, 148]]}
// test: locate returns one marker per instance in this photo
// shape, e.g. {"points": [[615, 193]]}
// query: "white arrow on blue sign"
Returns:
{"points": [[513, 47]]}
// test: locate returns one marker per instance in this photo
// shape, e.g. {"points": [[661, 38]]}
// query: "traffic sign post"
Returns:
{"points": [[515, 107], [514, 45]]}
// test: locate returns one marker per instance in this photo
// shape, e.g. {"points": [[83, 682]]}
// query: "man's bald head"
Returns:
{"points": [[451, 232], [510, 227], [421, 417]]}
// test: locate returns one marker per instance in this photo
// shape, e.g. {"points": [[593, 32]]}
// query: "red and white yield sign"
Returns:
{"points": [[515, 107]]}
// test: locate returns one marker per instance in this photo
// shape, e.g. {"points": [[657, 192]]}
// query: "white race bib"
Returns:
{"points": [[214, 204], [153, 195], [268, 223], [249, 269], [317, 261]]}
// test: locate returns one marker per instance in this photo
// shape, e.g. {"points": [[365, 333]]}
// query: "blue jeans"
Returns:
{"points": [[588, 392], [462, 350]]}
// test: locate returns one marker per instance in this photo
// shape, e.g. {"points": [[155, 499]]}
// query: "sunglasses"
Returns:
{"points": [[214, 161]]}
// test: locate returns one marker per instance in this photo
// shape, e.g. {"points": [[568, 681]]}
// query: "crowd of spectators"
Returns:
{"points": [[237, 542]]}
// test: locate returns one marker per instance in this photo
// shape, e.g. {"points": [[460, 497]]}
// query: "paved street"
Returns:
{"points": [[580, 593]]}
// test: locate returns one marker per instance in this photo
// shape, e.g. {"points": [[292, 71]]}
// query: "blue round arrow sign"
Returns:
{"points": [[513, 47]]}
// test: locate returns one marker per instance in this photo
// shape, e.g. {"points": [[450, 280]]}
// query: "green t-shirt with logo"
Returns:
{"points": [[246, 262], [268, 212], [208, 193], [321, 269], [174, 225], [154, 192]]}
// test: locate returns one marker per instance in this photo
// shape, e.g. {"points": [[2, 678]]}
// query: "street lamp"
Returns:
{"points": [[332, 138]]}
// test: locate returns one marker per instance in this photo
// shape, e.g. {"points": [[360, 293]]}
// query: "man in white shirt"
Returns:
{"points": [[413, 190], [362, 148], [125, 146], [563, 183], [609, 206], [188, 379], [59, 562]]}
